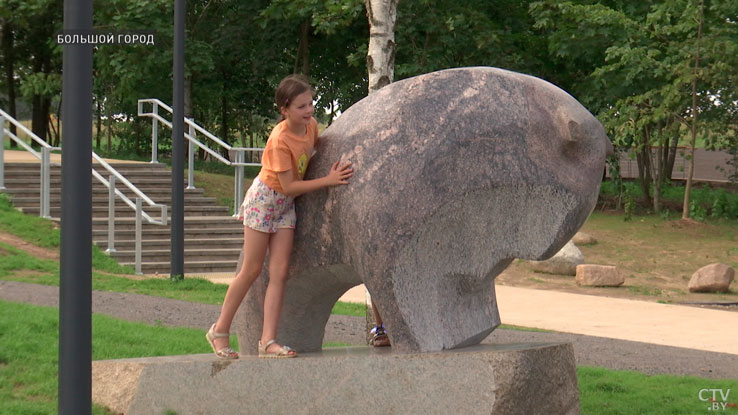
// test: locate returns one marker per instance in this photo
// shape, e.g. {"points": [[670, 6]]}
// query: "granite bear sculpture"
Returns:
{"points": [[457, 173]]}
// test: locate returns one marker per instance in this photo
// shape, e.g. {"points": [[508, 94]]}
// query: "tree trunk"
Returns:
{"points": [[39, 117], [693, 128], [57, 138], [109, 122], [302, 61], [380, 59], [7, 47], [46, 111], [41, 104], [671, 157], [658, 179], [188, 96], [643, 157], [188, 113], [333, 112], [99, 124], [224, 124]]}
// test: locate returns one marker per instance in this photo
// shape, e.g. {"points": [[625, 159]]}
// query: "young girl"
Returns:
{"points": [[269, 214]]}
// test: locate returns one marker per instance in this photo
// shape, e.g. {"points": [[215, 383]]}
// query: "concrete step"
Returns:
{"points": [[190, 223], [148, 182], [191, 255], [28, 201], [190, 267], [120, 166], [165, 244], [161, 232], [213, 238], [126, 211], [57, 173], [155, 194]]}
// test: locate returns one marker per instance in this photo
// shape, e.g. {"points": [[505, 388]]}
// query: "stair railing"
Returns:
{"points": [[45, 156], [191, 136], [137, 206]]}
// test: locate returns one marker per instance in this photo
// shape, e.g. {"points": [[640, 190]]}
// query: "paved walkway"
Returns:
{"points": [[615, 318]]}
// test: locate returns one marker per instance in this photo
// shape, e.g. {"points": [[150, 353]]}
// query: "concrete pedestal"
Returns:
{"points": [[485, 379]]}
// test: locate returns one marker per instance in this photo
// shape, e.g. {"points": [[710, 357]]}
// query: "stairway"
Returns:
{"points": [[212, 237]]}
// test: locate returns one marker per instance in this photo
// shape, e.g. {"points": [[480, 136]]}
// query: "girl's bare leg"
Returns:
{"points": [[255, 246], [377, 318], [280, 248]]}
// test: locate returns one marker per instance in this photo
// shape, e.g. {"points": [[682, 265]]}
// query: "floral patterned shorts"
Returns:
{"points": [[266, 210]]}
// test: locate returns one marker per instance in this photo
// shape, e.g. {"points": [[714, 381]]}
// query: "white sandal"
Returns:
{"points": [[284, 352], [225, 352]]}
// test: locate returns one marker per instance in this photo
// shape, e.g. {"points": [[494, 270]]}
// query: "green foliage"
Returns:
{"points": [[45, 84], [629, 204], [439, 34], [633, 65], [715, 203], [697, 212], [326, 16]]}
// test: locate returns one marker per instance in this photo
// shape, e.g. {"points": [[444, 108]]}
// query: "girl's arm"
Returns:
{"points": [[338, 175]]}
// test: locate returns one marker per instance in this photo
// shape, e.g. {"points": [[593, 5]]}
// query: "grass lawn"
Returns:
{"points": [[29, 374]]}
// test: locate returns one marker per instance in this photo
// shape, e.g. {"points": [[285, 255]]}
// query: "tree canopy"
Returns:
{"points": [[631, 63]]}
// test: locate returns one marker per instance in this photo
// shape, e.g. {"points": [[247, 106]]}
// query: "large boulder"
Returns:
{"points": [[457, 173], [582, 238], [593, 275], [711, 279], [563, 263]]}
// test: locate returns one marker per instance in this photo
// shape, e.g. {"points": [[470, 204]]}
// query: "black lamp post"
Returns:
{"points": [[75, 285], [177, 223]]}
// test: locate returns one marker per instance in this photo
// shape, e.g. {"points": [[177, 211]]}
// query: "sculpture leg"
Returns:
{"points": [[434, 314], [308, 300]]}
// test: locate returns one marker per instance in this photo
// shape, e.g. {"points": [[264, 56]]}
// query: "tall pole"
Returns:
{"points": [[177, 234], [75, 291]]}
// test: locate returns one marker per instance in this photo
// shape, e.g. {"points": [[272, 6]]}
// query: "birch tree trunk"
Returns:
{"points": [[380, 59], [380, 65]]}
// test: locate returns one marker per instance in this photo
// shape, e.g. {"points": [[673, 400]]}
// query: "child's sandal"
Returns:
{"points": [[283, 352], [224, 352], [379, 338]]}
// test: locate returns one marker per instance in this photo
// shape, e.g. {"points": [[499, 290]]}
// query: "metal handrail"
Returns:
{"points": [[44, 157], [163, 208], [194, 128]]}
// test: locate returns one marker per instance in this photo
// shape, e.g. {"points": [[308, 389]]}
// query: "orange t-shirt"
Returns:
{"points": [[287, 151]]}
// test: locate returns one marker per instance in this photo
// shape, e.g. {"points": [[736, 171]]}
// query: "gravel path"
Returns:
{"points": [[588, 350]]}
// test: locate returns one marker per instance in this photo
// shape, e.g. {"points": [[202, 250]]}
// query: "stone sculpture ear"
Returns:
{"points": [[575, 133]]}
